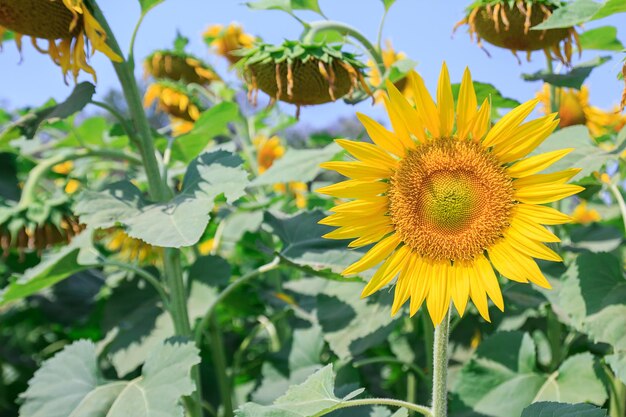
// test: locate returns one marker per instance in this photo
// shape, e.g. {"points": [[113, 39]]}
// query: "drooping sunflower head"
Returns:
{"points": [[228, 39], [180, 126], [179, 66], [38, 227], [390, 57], [67, 25], [130, 249], [173, 98], [268, 150], [301, 74], [574, 109], [446, 198], [507, 24]]}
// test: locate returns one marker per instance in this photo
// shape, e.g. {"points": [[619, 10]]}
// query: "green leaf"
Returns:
{"points": [[297, 165], [211, 123], [572, 14], [585, 154], [314, 396], [553, 409], [304, 245], [486, 90], [146, 5], [182, 220], [572, 79], [388, 4], [504, 366], [77, 100], [71, 384], [609, 8], [54, 267], [400, 69], [285, 5], [351, 324], [603, 38]]}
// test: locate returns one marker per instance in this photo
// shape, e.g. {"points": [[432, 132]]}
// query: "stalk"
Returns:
{"points": [[440, 368]]}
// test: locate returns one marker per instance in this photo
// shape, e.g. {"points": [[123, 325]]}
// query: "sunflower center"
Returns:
{"points": [[450, 199]]}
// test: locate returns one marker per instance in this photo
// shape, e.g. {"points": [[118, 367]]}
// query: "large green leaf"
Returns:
{"points": [[351, 324], [71, 384], [314, 396], [553, 409], [603, 38], [54, 267], [573, 13], [610, 7], [297, 165], [179, 222], [574, 78], [504, 366]]}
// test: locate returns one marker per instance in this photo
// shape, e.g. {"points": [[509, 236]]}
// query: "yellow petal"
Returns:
{"points": [[541, 214], [349, 232], [445, 102], [381, 136], [362, 206], [425, 105], [460, 286], [481, 122], [368, 152], [541, 194], [438, 301], [530, 247], [516, 266], [407, 113], [467, 105], [403, 286], [374, 256], [386, 272], [373, 237], [489, 281], [355, 189], [559, 177], [501, 130], [536, 163], [533, 230], [358, 170], [509, 152], [420, 284], [478, 294], [349, 219]]}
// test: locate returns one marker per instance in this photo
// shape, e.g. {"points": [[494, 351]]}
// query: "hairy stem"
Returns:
{"points": [[440, 368], [620, 201], [380, 401], [221, 368]]}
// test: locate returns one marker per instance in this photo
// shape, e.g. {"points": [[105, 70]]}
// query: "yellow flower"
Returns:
{"points": [[173, 99], [67, 25], [180, 126], [583, 215], [574, 109], [296, 189], [508, 25], [179, 66], [390, 56], [72, 186], [446, 206], [63, 168], [268, 150], [228, 39], [130, 249], [206, 247]]}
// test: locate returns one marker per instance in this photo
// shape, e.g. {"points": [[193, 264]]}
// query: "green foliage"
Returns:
{"points": [[550, 409], [603, 38], [286, 5], [574, 78]]}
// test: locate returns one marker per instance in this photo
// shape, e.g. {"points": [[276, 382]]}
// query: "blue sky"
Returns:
{"points": [[420, 28]]}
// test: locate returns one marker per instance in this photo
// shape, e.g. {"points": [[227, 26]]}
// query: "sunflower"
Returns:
{"points": [[179, 66], [130, 249], [173, 98], [228, 39], [584, 215], [67, 25], [444, 206], [390, 57], [301, 74], [574, 109], [180, 126], [507, 24]]}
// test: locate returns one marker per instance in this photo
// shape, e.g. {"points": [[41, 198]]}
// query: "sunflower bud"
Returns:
{"points": [[173, 98], [508, 25], [179, 66], [301, 74]]}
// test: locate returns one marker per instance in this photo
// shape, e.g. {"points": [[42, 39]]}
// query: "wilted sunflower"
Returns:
{"points": [[574, 109], [228, 39], [173, 98], [130, 249], [67, 25], [390, 57], [447, 205], [38, 227], [179, 66], [508, 23], [301, 74]]}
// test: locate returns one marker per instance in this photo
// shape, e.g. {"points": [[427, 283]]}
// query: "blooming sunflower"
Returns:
{"points": [[179, 66], [574, 109], [301, 74], [507, 24], [173, 98], [67, 25], [444, 205], [390, 57], [228, 39]]}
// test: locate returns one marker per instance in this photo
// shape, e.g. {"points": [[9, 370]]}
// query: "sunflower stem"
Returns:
{"points": [[440, 368], [380, 401], [554, 105], [220, 366], [347, 30], [620, 201]]}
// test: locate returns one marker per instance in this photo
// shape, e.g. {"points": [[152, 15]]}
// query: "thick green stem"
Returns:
{"points": [[221, 369], [37, 173], [380, 401], [620, 201], [617, 399], [347, 30], [440, 368]]}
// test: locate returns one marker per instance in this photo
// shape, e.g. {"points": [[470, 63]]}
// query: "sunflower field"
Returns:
{"points": [[313, 225]]}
